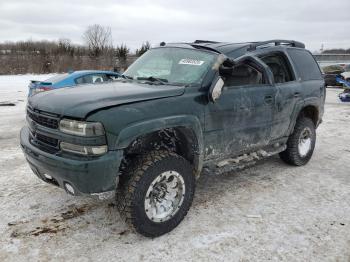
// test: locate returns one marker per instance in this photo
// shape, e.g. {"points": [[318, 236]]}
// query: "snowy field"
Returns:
{"points": [[269, 212]]}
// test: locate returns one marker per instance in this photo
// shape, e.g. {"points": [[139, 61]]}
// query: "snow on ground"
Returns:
{"points": [[268, 212]]}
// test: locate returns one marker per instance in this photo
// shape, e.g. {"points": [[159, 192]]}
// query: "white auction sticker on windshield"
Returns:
{"points": [[187, 61]]}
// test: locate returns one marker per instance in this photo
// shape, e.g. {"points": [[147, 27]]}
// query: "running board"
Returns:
{"points": [[245, 160]]}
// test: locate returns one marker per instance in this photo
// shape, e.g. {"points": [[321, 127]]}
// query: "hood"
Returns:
{"points": [[80, 100]]}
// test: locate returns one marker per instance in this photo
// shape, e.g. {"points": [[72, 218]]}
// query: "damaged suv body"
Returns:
{"points": [[177, 109]]}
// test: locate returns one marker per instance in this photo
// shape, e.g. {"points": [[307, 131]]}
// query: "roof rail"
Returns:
{"points": [[292, 43], [205, 47], [205, 41]]}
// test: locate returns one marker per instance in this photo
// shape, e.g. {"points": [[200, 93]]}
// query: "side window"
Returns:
{"points": [[242, 75], [84, 79], [91, 79], [280, 67], [79, 80], [97, 78], [111, 77], [305, 64]]}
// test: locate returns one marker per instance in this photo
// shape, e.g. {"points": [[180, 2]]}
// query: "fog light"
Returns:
{"points": [[69, 188], [84, 150]]}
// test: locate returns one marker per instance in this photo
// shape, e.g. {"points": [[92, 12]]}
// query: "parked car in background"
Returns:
{"points": [[346, 74], [330, 73], [71, 79], [344, 78], [345, 96]]}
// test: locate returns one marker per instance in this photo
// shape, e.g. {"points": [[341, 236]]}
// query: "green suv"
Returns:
{"points": [[180, 107]]}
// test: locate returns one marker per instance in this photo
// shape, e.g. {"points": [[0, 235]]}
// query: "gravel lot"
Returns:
{"points": [[267, 212]]}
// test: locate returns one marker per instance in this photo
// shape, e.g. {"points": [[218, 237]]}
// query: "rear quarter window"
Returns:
{"points": [[305, 64]]}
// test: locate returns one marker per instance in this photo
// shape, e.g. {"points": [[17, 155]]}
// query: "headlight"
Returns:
{"points": [[84, 150], [81, 128]]}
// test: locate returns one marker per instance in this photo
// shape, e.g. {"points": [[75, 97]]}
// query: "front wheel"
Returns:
{"points": [[301, 143], [156, 192]]}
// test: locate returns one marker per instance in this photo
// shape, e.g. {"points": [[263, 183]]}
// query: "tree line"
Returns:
{"points": [[39, 57], [97, 52], [337, 51]]}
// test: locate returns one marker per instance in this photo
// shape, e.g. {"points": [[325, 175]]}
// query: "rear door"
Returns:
{"points": [[288, 91]]}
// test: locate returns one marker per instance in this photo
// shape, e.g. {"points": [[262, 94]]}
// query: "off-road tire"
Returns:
{"points": [[135, 181], [291, 155]]}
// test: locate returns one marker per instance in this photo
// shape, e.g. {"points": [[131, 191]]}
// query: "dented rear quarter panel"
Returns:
{"points": [[313, 91]]}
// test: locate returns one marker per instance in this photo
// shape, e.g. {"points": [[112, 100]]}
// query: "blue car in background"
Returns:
{"points": [[71, 79]]}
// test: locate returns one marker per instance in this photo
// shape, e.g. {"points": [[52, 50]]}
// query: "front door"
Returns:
{"points": [[241, 118], [258, 102], [222, 122]]}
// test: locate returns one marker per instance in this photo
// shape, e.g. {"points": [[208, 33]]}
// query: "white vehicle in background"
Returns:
{"points": [[346, 76]]}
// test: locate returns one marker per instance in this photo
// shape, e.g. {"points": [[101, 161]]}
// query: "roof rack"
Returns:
{"points": [[292, 43], [205, 47]]}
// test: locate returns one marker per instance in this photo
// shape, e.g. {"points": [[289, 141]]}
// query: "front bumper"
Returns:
{"points": [[86, 176]]}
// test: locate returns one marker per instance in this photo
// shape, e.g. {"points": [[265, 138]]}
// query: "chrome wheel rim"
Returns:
{"points": [[164, 196], [304, 145]]}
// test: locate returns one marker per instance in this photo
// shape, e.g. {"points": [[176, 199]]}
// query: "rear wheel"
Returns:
{"points": [[301, 143], [156, 192]]}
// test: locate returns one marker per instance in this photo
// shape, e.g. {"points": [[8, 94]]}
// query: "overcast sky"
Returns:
{"points": [[314, 22]]}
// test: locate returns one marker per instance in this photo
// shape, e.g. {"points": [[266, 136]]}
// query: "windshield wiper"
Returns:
{"points": [[161, 81]]}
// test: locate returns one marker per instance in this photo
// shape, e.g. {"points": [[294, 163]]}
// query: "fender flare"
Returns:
{"points": [[135, 130], [299, 107]]}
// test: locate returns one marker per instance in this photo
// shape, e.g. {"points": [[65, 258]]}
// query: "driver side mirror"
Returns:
{"points": [[215, 89]]}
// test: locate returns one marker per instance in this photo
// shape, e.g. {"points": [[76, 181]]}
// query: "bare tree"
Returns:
{"points": [[143, 49], [121, 53], [64, 44], [98, 39]]}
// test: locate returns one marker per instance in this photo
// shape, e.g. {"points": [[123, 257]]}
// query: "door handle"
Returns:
{"points": [[296, 94], [268, 99], [244, 108]]}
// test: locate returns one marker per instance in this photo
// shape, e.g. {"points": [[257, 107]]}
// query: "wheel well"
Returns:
{"points": [[180, 140], [310, 112]]}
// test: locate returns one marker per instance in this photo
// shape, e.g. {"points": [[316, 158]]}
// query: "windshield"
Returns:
{"points": [[172, 65]]}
